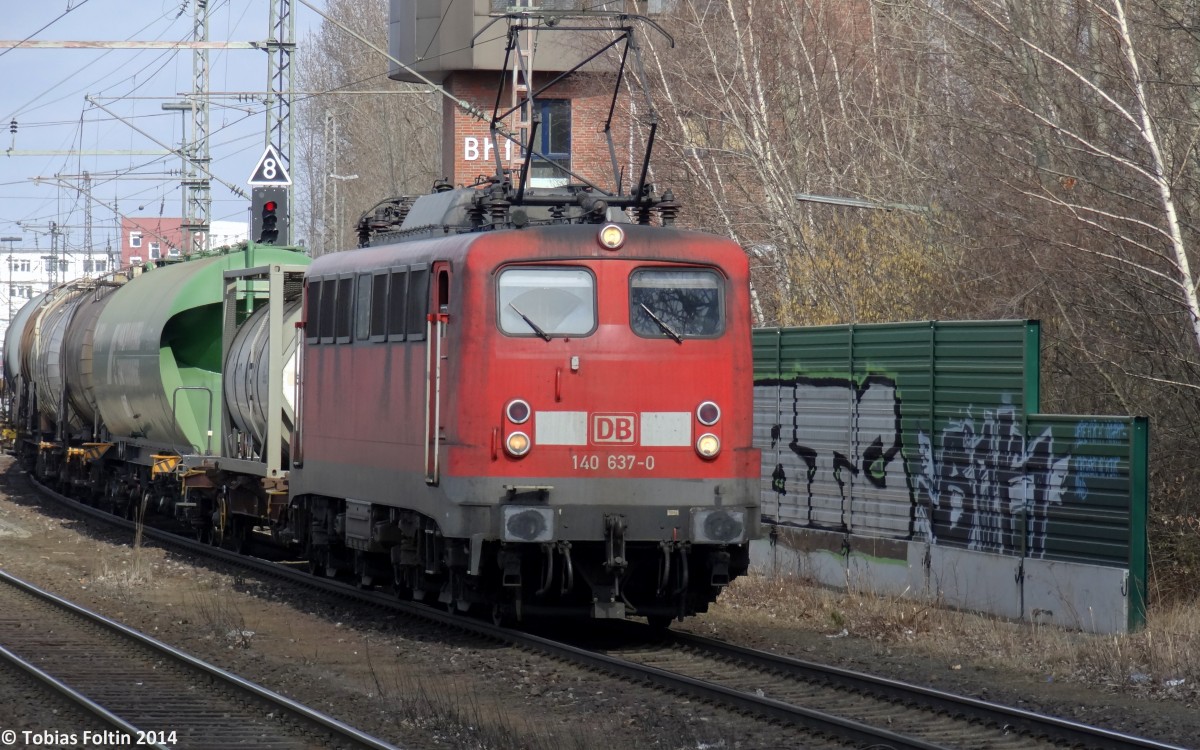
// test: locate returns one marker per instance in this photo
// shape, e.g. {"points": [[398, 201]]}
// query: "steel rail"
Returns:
{"points": [[1078, 735], [738, 700], [296, 710], [72, 695], [1002, 716]]}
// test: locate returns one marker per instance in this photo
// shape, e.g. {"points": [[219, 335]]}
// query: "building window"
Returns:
{"points": [[154, 251], [19, 264], [64, 266], [135, 239], [553, 143]]}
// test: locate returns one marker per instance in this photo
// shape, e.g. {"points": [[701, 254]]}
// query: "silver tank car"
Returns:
{"points": [[78, 366], [248, 379], [48, 355]]}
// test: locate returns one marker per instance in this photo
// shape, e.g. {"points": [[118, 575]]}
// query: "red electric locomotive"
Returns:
{"points": [[534, 409]]}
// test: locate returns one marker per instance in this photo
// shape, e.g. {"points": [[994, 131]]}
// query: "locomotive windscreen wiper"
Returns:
{"points": [[663, 325], [536, 328]]}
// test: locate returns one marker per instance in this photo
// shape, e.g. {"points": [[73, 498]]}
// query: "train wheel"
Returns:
{"points": [[362, 574], [659, 622], [132, 500], [503, 616], [216, 532], [404, 592], [242, 529]]}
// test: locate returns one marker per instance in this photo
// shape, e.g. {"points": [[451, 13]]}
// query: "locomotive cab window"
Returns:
{"points": [[676, 303], [546, 302]]}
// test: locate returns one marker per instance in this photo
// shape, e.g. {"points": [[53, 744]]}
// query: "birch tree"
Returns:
{"points": [[763, 100], [1073, 129]]}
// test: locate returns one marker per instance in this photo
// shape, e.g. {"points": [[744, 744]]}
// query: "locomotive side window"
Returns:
{"points": [[546, 302], [345, 308], [362, 307], [397, 304], [379, 285], [311, 310], [673, 303], [326, 318], [418, 293]]}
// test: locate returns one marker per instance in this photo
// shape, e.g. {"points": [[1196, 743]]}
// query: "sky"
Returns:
{"points": [[44, 90]]}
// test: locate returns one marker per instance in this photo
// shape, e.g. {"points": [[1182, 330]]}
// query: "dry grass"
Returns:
{"points": [[125, 569], [220, 615], [1156, 658]]}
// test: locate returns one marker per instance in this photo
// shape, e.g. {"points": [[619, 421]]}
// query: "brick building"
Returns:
{"points": [[438, 38], [147, 238], [570, 134]]}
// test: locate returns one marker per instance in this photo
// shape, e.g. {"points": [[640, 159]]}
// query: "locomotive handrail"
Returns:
{"points": [[433, 394], [206, 389]]}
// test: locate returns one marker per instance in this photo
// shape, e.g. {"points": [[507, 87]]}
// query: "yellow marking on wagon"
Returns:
{"points": [[164, 463]]}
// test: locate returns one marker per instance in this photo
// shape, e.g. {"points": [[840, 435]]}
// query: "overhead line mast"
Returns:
{"points": [[195, 225], [280, 80]]}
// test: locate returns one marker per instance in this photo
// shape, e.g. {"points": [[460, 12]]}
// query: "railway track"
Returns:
{"points": [[854, 708], [32, 703], [143, 692]]}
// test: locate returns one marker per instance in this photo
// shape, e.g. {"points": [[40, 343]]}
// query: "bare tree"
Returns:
{"points": [[1072, 130], [766, 99], [358, 149]]}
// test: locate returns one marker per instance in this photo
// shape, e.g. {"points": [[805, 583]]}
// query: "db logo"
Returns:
{"points": [[613, 428]]}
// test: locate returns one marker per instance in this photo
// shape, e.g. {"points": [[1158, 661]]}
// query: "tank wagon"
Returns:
{"points": [[117, 380]]}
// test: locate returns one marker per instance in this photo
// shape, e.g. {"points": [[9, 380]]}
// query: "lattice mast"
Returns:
{"points": [[199, 194], [281, 83]]}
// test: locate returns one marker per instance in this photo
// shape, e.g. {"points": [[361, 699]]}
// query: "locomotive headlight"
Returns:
{"points": [[708, 413], [517, 444], [708, 445], [525, 524], [517, 411], [719, 525], [611, 236]]}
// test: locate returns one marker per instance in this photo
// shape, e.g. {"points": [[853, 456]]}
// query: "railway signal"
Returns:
{"points": [[270, 216]]}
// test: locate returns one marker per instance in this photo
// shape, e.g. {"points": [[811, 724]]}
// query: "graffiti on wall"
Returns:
{"points": [[987, 487], [979, 484], [844, 445]]}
